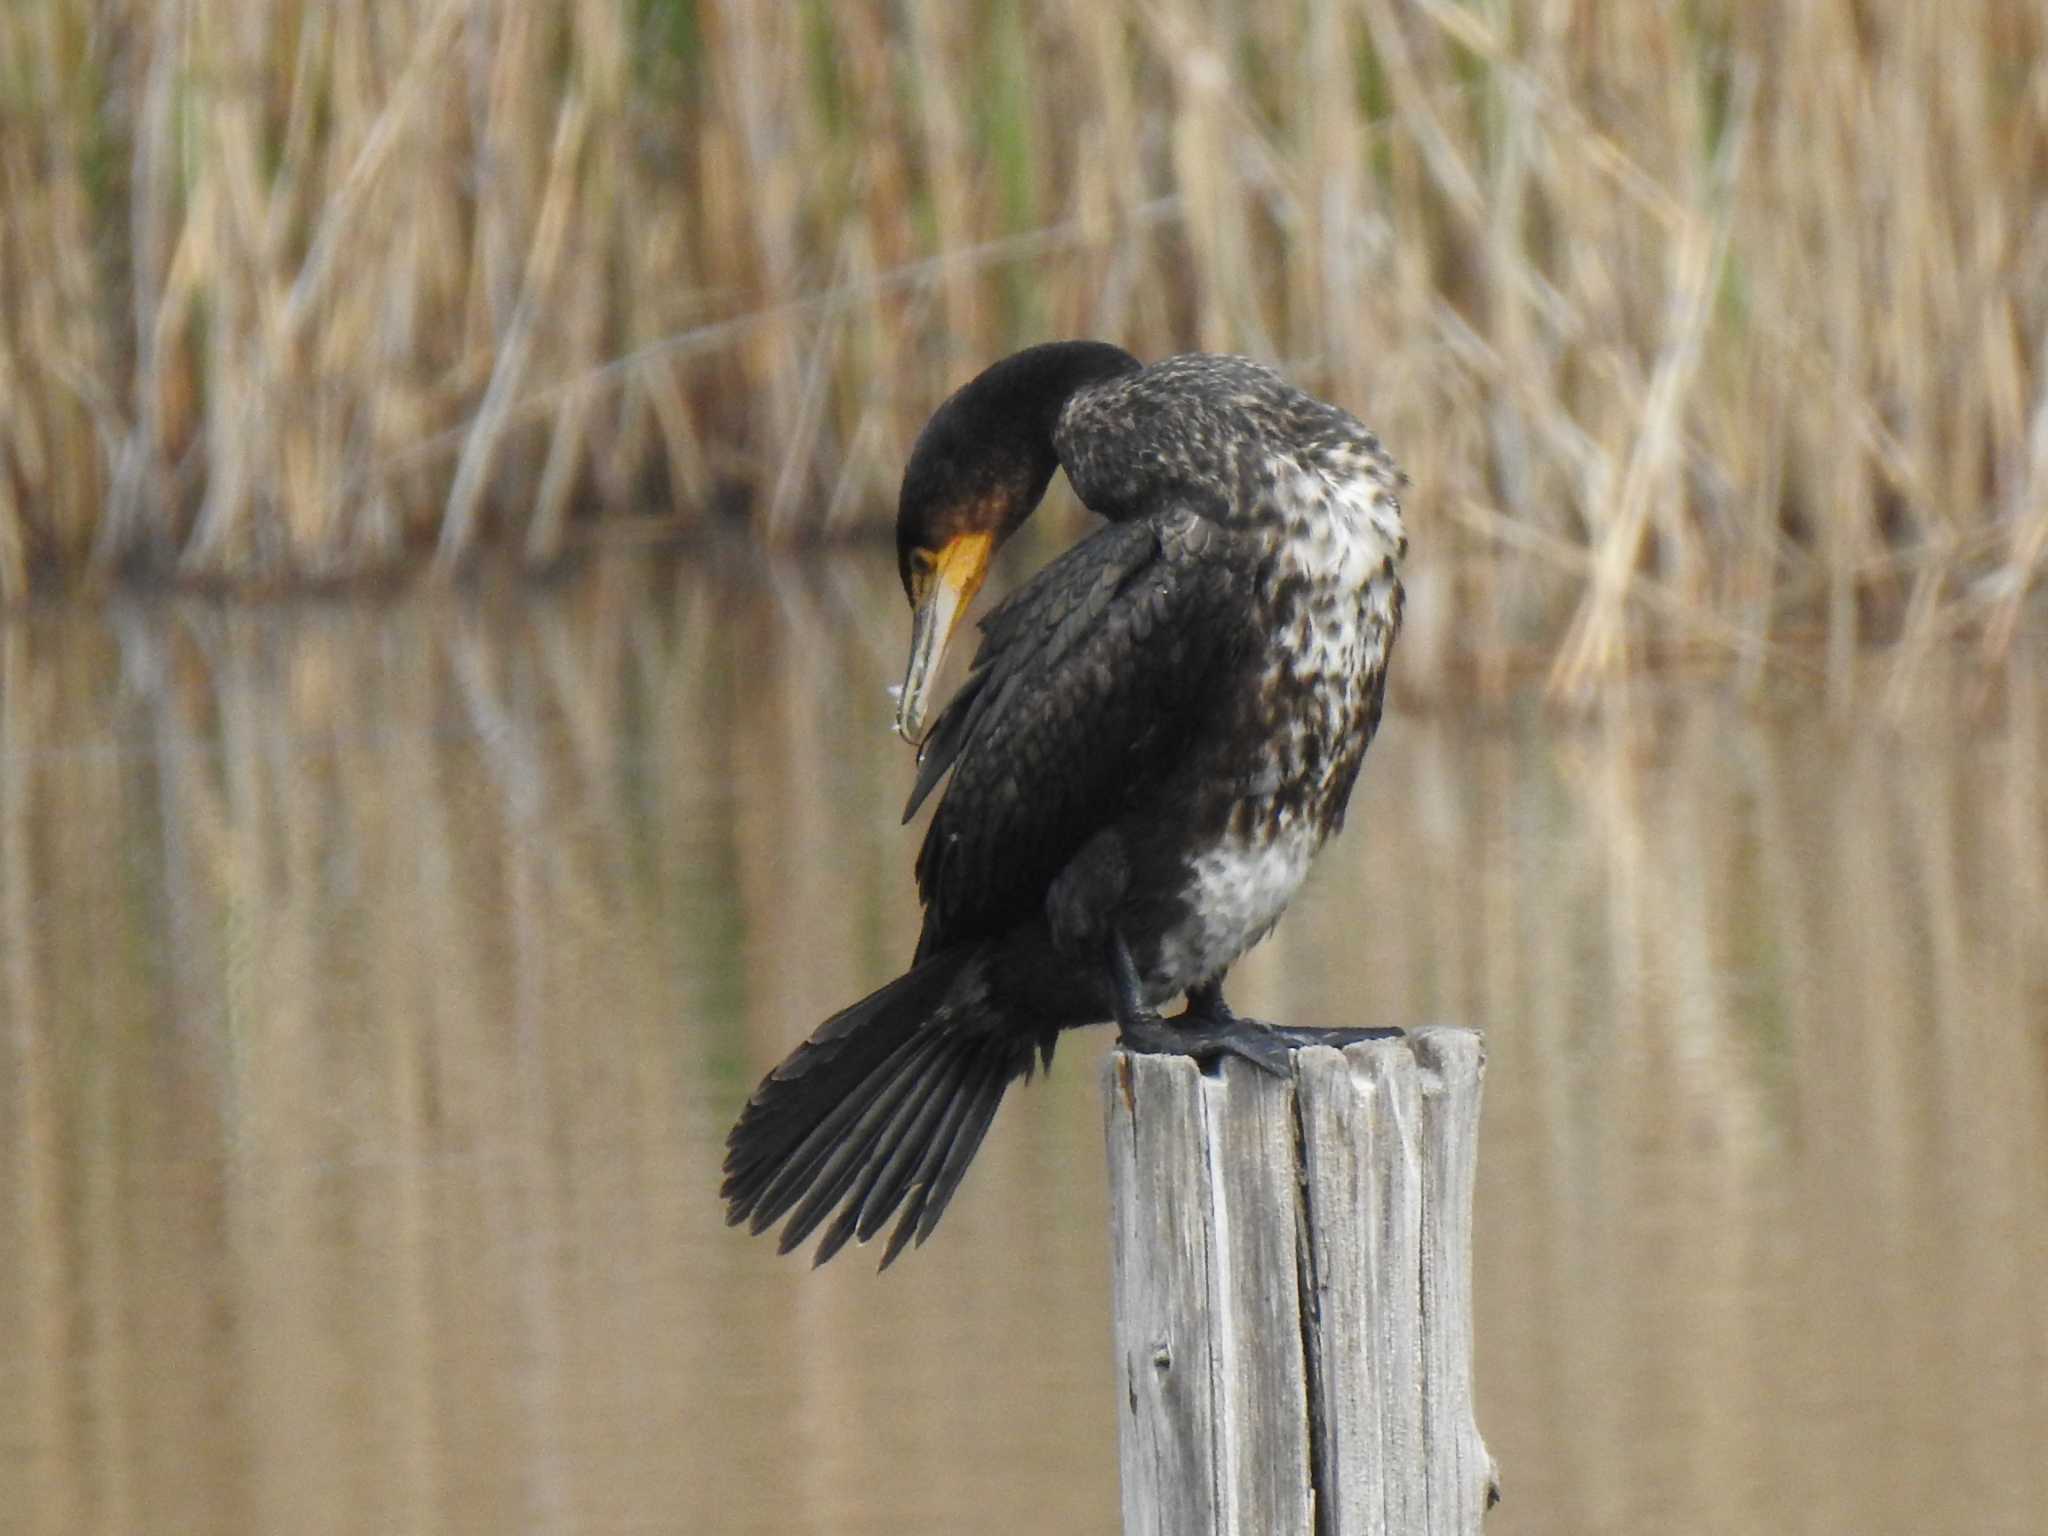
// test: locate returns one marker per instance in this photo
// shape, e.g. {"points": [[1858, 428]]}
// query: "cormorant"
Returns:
{"points": [[1159, 730]]}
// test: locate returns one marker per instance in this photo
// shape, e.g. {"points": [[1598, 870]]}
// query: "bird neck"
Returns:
{"points": [[990, 446], [1021, 397], [1031, 387]]}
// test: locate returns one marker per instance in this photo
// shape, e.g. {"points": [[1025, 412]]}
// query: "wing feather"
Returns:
{"points": [[1087, 682]]}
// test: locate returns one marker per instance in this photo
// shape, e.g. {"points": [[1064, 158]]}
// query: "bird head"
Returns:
{"points": [[954, 514], [978, 470]]}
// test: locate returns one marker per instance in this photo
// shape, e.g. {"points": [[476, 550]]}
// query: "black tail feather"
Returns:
{"points": [[832, 1154], [966, 1142], [791, 1101], [957, 1138], [882, 1108], [934, 1077], [901, 1181], [795, 1115], [882, 1180], [895, 1176]]}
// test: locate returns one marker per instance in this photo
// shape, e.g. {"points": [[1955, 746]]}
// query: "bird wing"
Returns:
{"points": [[1088, 681]]}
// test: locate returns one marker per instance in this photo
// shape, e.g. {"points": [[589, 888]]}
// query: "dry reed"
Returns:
{"points": [[1710, 324]]}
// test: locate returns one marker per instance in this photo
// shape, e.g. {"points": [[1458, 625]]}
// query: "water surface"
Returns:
{"points": [[378, 980]]}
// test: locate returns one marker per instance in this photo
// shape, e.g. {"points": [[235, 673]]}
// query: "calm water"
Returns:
{"points": [[377, 984]]}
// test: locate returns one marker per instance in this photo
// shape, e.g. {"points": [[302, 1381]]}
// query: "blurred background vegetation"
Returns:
{"points": [[1706, 329]]}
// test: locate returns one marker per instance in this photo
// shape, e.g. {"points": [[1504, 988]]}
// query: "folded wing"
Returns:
{"points": [[1089, 682]]}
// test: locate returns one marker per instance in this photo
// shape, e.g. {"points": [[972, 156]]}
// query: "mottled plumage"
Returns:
{"points": [[1158, 732]]}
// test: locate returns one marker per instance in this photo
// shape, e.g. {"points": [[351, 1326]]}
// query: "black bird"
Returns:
{"points": [[1158, 732]]}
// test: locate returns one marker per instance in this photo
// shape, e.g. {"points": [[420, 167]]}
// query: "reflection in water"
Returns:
{"points": [[376, 986]]}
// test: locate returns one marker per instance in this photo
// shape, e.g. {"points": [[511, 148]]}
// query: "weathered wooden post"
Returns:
{"points": [[1293, 1291]]}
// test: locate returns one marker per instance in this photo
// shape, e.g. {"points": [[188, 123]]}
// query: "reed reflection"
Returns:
{"points": [[378, 984]]}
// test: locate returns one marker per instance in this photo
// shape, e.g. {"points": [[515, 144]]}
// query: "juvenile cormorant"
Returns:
{"points": [[1158, 732]]}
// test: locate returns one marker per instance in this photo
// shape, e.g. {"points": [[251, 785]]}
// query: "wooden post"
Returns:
{"points": [[1293, 1291]]}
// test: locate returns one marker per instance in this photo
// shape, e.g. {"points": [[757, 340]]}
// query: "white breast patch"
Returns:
{"points": [[1236, 892]]}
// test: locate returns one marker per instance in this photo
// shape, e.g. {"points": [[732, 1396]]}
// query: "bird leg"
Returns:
{"points": [[1202, 1036], [1207, 1009]]}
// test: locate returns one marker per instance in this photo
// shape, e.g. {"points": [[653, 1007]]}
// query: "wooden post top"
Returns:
{"points": [[1293, 1288]]}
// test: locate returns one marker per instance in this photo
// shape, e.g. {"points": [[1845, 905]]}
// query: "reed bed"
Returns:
{"points": [[1704, 328]]}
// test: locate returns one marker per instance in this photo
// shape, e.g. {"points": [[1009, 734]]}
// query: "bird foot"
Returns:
{"points": [[1208, 1016], [1206, 1037], [1207, 1030], [1208, 1040]]}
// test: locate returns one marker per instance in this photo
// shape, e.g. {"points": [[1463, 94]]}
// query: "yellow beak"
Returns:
{"points": [[939, 602]]}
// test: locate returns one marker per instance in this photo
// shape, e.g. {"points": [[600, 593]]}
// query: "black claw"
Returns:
{"points": [[1207, 1030], [1141, 1029], [1207, 1013], [1207, 1042]]}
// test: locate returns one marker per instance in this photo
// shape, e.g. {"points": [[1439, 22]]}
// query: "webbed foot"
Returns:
{"points": [[1207, 1014], [1206, 1041], [1140, 1027]]}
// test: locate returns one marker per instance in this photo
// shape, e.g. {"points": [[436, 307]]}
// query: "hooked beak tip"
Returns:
{"points": [[907, 721], [910, 720]]}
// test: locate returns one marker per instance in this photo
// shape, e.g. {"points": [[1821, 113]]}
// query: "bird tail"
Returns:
{"points": [[884, 1106]]}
